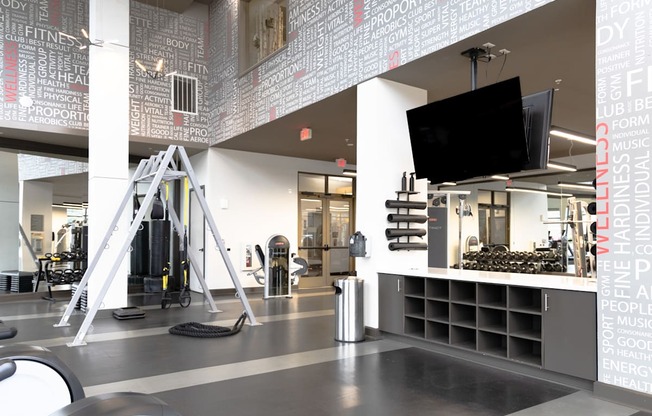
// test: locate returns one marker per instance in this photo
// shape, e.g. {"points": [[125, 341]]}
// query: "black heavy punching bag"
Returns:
{"points": [[159, 247], [140, 251]]}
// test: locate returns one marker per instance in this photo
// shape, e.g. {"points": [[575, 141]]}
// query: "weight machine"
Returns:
{"points": [[162, 167], [278, 276]]}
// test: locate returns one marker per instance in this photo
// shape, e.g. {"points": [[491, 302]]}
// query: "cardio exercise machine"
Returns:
{"points": [[35, 382], [278, 277]]}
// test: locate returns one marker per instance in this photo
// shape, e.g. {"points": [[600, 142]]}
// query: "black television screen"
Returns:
{"points": [[477, 133], [537, 118]]}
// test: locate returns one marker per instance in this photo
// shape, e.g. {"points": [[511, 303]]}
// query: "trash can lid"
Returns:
{"points": [[347, 281]]}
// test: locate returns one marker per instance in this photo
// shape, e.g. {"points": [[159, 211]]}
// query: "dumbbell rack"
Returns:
{"points": [[514, 262], [58, 276]]}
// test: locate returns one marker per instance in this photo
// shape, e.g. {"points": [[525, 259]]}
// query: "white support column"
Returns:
{"points": [[384, 153], [9, 213], [108, 141]]}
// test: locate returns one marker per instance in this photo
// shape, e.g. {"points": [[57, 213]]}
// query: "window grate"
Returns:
{"points": [[184, 94]]}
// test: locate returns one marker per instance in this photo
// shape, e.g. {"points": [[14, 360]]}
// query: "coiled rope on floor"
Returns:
{"points": [[198, 330]]}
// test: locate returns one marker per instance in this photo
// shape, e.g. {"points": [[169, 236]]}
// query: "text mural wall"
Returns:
{"points": [[44, 80], [333, 45], [44, 75], [181, 42], [624, 101]]}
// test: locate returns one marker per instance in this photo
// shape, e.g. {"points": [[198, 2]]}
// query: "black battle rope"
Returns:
{"points": [[195, 329]]}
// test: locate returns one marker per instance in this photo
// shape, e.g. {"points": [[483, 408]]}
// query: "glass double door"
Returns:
{"points": [[324, 231]]}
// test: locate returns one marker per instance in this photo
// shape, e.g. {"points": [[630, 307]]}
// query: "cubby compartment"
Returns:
{"points": [[462, 292], [492, 320], [463, 315], [414, 327], [494, 296], [525, 299], [415, 307], [437, 310], [463, 337], [414, 286], [437, 331], [525, 350], [437, 289], [525, 325], [492, 343]]}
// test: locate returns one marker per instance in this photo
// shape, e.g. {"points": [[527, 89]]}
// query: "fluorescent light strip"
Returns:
{"points": [[449, 183], [500, 177], [561, 166], [576, 186], [349, 172], [572, 136], [535, 191]]}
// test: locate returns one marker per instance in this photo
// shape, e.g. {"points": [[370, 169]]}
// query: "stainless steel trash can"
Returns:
{"points": [[349, 316]]}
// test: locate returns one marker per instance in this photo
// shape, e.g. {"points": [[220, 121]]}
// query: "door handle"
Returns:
{"points": [[398, 285], [545, 302]]}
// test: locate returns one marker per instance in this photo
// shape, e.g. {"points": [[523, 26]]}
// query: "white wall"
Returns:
{"points": [[383, 154], [35, 199], [259, 196], [9, 214]]}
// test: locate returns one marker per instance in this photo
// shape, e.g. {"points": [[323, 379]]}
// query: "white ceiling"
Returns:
{"points": [[554, 42]]}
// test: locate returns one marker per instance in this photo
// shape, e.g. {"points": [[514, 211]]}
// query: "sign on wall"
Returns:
{"points": [[624, 193]]}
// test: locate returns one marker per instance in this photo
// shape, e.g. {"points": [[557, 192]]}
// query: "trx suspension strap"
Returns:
{"points": [[184, 296], [166, 298]]}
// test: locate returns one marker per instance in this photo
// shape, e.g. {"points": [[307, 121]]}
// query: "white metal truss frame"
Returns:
{"points": [[154, 170]]}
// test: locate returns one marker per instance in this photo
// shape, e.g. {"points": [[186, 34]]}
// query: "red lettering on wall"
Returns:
{"points": [[358, 12], [602, 186], [10, 65], [394, 59], [178, 119], [54, 12]]}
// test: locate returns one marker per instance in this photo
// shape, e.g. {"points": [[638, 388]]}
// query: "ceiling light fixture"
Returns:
{"points": [[535, 191], [576, 186], [349, 172], [449, 183], [572, 136], [500, 177], [157, 72], [561, 166]]}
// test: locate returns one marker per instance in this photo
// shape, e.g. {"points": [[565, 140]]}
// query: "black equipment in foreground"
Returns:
{"points": [[25, 369], [198, 330]]}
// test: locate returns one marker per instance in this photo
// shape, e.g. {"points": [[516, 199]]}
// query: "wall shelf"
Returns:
{"points": [[402, 236]]}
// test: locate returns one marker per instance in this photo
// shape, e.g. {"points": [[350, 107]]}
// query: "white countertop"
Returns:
{"points": [[544, 281]]}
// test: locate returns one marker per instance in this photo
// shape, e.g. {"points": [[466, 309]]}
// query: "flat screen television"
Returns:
{"points": [[474, 134], [537, 119]]}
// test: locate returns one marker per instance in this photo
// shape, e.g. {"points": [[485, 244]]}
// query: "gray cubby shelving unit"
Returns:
{"points": [[492, 319], [551, 329]]}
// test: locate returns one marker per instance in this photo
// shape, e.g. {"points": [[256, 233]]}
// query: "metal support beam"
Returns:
{"points": [[185, 162], [179, 228]]}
